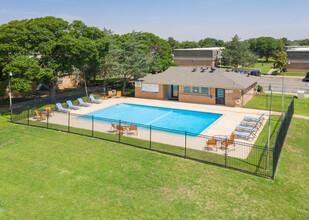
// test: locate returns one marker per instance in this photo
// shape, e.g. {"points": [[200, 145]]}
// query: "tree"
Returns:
{"points": [[161, 50], [188, 44], [280, 56], [265, 47], [131, 58], [237, 53], [58, 47], [173, 43], [304, 42], [211, 42]]}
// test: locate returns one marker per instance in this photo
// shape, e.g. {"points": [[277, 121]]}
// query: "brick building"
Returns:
{"points": [[298, 58], [197, 56], [198, 85]]}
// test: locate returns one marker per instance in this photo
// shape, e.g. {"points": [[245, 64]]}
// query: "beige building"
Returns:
{"points": [[298, 58], [207, 57], [198, 85]]}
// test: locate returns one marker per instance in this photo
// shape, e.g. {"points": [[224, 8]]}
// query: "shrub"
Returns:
{"points": [[260, 88]]}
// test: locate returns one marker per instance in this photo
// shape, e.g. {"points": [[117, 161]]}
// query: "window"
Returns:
{"points": [[204, 90], [187, 89], [196, 89], [220, 93]]}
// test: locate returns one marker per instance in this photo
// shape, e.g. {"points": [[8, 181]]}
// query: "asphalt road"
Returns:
{"points": [[291, 84]]}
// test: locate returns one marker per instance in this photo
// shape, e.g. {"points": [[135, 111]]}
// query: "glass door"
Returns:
{"points": [[220, 96]]}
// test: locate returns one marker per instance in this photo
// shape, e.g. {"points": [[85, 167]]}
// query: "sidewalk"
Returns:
{"points": [[294, 116]]}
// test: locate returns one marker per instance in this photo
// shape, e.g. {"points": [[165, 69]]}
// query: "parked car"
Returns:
{"points": [[255, 73], [307, 77]]}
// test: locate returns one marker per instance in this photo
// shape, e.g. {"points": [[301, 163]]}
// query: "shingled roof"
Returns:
{"points": [[185, 76]]}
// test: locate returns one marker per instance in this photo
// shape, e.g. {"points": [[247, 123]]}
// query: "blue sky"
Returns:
{"points": [[181, 19]]}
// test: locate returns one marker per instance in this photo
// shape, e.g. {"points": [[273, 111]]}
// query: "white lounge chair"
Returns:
{"points": [[250, 118], [81, 102], [70, 104], [94, 100], [60, 108]]}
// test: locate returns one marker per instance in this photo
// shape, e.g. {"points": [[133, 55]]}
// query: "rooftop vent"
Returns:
{"points": [[203, 69], [194, 69]]}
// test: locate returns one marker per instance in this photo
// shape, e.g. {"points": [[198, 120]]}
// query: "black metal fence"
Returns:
{"points": [[239, 156], [281, 135]]}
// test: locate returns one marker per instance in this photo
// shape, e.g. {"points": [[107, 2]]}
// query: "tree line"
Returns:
{"points": [[44, 49]]}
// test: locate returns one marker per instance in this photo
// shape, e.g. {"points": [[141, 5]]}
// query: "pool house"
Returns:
{"points": [[198, 85]]}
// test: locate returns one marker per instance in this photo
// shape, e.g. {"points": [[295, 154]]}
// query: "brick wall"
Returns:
{"points": [[198, 98], [161, 95], [205, 63], [298, 67], [248, 96], [232, 97]]}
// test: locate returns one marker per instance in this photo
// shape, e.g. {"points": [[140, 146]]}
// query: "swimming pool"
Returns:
{"points": [[176, 119]]}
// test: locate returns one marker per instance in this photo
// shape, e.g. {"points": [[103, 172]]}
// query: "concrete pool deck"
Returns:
{"points": [[225, 125]]}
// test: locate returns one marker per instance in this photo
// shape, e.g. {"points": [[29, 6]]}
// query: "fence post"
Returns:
{"points": [[47, 120], [225, 154], [69, 122], [119, 130], [185, 144], [92, 118], [150, 138], [28, 115]]}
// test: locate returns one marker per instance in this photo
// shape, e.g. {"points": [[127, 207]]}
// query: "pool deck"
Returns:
{"points": [[225, 125]]}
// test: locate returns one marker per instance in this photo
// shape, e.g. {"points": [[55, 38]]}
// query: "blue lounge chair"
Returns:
{"points": [[94, 100], [81, 102], [244, 135], [70, 104], [246, 129], [60, 108], [250, 118], [252, 123]]}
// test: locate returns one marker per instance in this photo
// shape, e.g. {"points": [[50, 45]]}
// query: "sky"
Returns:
{"points": [[180, 19]]}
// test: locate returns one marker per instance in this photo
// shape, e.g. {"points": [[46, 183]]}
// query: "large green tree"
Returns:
{"points": [[130, 57], [58, 47], [188, 44], [173, 43], [211, 42], [237, 53], [264, 47], [280, 56]]}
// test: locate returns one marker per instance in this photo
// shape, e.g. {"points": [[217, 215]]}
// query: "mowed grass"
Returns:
{"points": [[263, 65], [48, 174], [262, 101], [296, 74]]}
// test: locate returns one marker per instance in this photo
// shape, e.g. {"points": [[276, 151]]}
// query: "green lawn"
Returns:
{"points": [[48, 174], [263, 65], [296, 74], [262, 101]]}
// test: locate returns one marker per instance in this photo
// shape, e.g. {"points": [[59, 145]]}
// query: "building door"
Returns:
{"points": [[175, 91], [220, 96]]}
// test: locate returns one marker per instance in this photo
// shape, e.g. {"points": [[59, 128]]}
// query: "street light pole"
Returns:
{"points": [[10, 93], [268, 137]]}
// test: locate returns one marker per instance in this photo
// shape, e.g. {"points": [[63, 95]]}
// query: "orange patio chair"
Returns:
{"points": [[39, 116], [110, 94], [132, 130], [118, 94], [209, 143], [230, 141], [49, 112]]}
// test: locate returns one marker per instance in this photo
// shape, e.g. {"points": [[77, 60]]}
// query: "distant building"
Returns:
{"points": [[198, 85], [207, 57], [298, 58]]}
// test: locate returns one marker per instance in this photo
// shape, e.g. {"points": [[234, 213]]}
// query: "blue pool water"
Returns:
{"points": [[182, 120]]}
